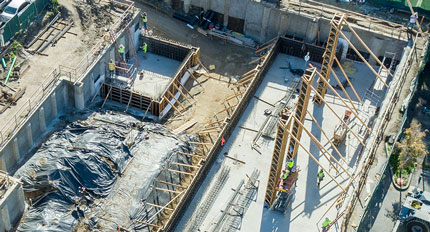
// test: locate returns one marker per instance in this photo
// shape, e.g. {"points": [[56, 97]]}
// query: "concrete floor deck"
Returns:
{"points": [[158, 72], [310, 202]]}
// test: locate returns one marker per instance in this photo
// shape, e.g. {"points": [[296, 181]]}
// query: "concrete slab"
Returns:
{"points": [[158, 71], [310, 202]]}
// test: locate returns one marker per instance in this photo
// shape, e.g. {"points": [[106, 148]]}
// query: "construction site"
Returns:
{"points": [[115, 122]]}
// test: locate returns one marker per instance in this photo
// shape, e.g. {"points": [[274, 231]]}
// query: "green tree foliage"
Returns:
{"points": [[412, 146]]}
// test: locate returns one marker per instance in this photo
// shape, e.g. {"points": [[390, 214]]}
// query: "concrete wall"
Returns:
{"points": [[264, 22], [12, 206]]}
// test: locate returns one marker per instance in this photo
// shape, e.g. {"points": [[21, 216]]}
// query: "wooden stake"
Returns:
{"points": [[347, 79], [328, 139], [310, 155], [340, 119], [164, 190], [252, 71], [176, 109], [363, 59], [177, 101], [259, 58], [183, 95], [368, 49], [325, 150], [343, 101]]}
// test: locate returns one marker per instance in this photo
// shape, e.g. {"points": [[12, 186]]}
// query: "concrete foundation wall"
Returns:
{"points": [[12, 205], [264, 22]]}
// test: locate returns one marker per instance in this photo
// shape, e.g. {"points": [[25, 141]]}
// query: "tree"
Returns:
{"points": [[412, 146]]}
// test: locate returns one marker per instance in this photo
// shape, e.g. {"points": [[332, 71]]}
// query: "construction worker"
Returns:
{"points": [[144, 47], [413, 20], [144, 20], [111, 68], [121, 51], [284, 176], [290, 164], [325, 224], [320, 176]]}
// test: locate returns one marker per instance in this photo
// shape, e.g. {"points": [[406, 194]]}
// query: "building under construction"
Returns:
{"points": [[93, 154]]}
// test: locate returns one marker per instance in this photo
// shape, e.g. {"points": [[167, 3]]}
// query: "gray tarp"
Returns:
{"points": [[115, 157]]}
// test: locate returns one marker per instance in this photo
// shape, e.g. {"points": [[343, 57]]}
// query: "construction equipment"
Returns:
{"points": [[340, 130], [286, 190], [415, 212]]}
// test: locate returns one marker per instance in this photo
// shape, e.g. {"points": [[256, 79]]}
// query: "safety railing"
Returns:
{"points": [[18, 119]]}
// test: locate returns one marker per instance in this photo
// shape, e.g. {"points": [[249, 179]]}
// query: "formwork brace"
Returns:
{"points": [[185, 165], [335, 92], [172, 184], [173, 106], [182, 94], [340, 119], [181, 172], [177, 100], [158, 206], [164, 190], [188, 154], [347, 79], [200, 143]]}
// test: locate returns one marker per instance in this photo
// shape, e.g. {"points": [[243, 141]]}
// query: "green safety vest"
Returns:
{"points": [[144, 19], [285, 175], [121, 50], [144, 47], [320, 174], [326, 222], [291, 164], [111, 66]]}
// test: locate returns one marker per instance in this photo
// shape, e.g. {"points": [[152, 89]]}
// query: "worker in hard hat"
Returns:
{"points": [[284, 177], [290, 164], [121, 51], [144, 49], [325, 224], [144, 21], [111, 68], [320, 176]]}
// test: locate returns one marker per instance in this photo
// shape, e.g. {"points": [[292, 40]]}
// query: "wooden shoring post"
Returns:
{"points": [[226, 109], [177, 100], [325, 135], [347, 79], [340, 119], [164, 190], [172, 184], [416, 20], [148, 224], [201, 64], [233, 96], [263, 48], [188, 154], [210, 131], [269, 41], [310, 155], [185, 89], [182, 94], [368, 49], [325, 150], [181, 172], [200, 143], [343, 101], [362, 58], [185, 165], [158, 206], [194, 78], [160, 210], [344, 91], [259, 58], [251, 71], [173, 106], [246, 79], [217, 121]]}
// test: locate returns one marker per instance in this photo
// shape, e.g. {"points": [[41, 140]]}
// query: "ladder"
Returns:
{"points": [[330, 52], [132, 48], [112, 36]]}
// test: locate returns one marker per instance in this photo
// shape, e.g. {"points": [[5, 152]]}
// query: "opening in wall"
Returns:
{"points": [[235, 24]]}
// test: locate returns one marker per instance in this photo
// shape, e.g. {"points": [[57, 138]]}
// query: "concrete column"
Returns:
{"points": [[342, 42], [15, 149], [312, 31], [226, 11], [5, 219], [264, 23], [29, 134], [54, 105], [42, 122], [377, 47], [187, 4], [79, 96], [92, 86]]}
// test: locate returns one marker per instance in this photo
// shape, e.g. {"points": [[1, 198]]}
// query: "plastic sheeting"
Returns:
{"points": [[93, 174]]}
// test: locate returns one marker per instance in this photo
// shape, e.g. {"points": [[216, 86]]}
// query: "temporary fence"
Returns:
{"points": [[22, 20]]}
